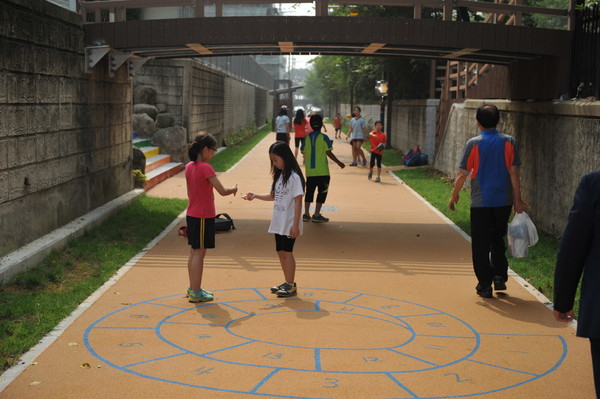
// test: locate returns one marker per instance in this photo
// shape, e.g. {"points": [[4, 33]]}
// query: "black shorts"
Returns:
{"points": [[376, 157], [312, 182], [201, 232], [361, 141], [298, 141], [284, 243], [283, 137]]}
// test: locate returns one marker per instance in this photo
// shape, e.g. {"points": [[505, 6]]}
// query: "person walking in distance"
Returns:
{"points": [[282, 126], [378, 140], [357, 133], [300, 133]]}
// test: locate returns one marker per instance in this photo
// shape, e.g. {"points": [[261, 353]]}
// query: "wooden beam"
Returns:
{"points": [[286, 47], [460, 53], [373, 48], [200, 49]]}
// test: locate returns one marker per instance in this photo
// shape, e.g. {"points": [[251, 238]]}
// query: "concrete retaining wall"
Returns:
{"points": [[204, 99], [558, 143], [65, 136], [413, 123]]}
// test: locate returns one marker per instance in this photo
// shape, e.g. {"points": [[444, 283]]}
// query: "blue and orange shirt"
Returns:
{"points": [[488, 158]]}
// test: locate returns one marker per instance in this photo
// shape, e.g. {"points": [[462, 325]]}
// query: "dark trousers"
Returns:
{"points": [[488, 229], [595, 346]]}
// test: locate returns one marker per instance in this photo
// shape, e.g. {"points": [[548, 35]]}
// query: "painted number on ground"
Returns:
{"points": [[130, 344], [331, 383], [273, 355]]}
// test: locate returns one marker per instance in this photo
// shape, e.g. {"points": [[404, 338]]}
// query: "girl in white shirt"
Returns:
{"points": [[287, 191]]}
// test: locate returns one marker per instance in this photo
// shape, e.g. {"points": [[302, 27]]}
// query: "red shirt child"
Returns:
{"points": [[377, 138]]}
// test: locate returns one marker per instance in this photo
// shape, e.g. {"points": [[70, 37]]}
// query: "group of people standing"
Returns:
{"points": [[356, 134]]}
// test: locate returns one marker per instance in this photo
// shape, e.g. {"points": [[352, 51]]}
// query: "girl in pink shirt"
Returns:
{"points": [[200, 216]]}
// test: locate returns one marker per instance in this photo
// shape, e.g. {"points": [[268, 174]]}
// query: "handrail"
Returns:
{"points": [[118, 7]]}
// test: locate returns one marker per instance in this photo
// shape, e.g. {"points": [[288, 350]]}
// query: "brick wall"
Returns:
{"points": [[65, 136]]}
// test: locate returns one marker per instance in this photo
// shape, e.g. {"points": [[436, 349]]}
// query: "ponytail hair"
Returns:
{"points": [[202, 139]]}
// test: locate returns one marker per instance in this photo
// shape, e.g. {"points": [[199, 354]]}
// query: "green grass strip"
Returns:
{"points": [[225, 159], [37, 300], [436, 188]]}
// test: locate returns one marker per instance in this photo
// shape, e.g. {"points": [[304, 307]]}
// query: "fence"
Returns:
{"points": [[585, 64]]}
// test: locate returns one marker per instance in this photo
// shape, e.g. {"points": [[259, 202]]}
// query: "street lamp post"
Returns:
{"points": [[382, 90]]}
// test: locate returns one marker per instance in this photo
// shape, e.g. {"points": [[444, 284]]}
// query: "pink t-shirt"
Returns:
{"points": [[200, 190]]}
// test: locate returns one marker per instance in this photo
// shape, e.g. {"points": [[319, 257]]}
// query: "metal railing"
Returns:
{"points": [[116, 10]]}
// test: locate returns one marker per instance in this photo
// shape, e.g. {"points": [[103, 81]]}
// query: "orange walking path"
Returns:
{"points": [[386, 308]]}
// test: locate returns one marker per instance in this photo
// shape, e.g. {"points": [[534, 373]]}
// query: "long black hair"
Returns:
{"points": [[202, 139], [299, 117], [290, 164]]}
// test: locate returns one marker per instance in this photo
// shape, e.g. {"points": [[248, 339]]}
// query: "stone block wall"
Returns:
{"points": [[558, 142], [65, 136], [205, 99], [413, 123]]}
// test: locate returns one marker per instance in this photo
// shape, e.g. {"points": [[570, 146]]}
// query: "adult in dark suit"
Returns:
{"points": [[579, 254]]}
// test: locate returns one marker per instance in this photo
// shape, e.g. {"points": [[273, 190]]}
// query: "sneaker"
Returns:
{"points": [[484, 292], [370, 175], [364, 163], [499, 283], [276, 288], [286, 290], [377, 180], [306, 217], [189, 291], [353, 164], [319, 219], [200, 296]]}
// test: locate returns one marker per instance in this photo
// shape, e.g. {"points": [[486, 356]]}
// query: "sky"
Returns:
{"points": [[299, 9]]}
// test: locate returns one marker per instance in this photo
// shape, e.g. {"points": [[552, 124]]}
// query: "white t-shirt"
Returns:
{"points": [[280, 123], [283, 208]]}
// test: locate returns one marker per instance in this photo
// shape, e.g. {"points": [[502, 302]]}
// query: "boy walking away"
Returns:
{"points": [[378, 140], [317, 147], [493, 162]]}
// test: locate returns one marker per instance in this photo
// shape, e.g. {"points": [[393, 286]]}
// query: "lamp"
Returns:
{"points": [[382, 90]]}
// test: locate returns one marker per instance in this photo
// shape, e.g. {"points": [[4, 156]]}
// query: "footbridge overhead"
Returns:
{"points": [[201, 36]]}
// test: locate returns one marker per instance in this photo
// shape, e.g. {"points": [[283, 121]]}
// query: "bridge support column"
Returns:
{"points": [[321, 8]]}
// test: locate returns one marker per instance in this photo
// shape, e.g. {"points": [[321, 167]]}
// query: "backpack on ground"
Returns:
{"points": [[412, 157], [223, 222]]}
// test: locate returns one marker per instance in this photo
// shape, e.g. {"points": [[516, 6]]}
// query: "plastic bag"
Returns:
{"points": [[522, 234]]}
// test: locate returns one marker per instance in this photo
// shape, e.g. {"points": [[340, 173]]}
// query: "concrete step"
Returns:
{"points": [[139, 143], [162, 173], [150, 151], [157, 161]]}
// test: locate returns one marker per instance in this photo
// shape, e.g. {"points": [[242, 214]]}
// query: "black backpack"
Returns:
{"points": [[223, 222]]}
